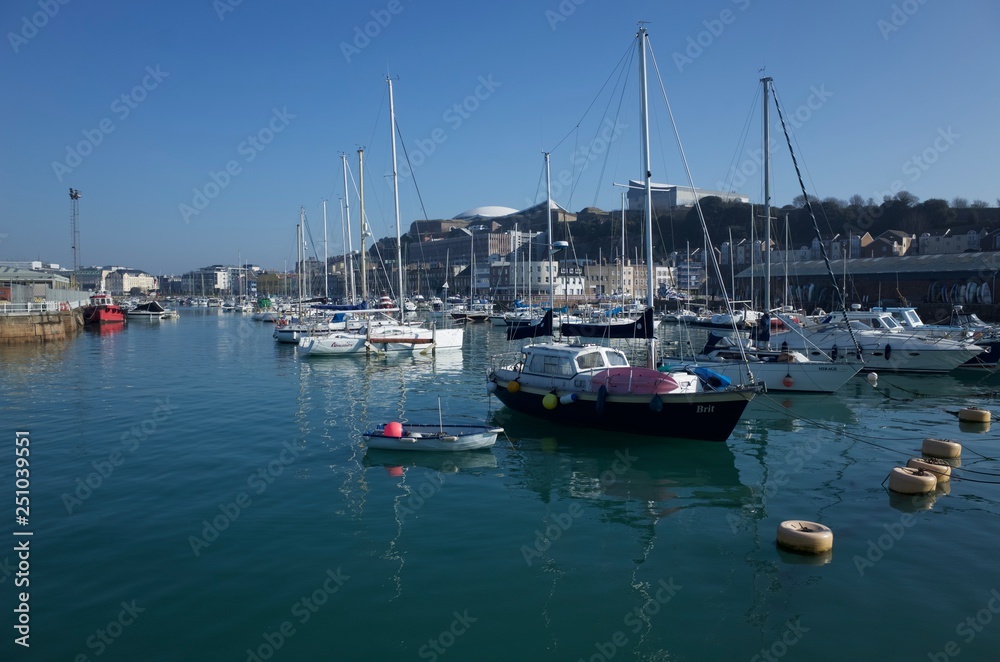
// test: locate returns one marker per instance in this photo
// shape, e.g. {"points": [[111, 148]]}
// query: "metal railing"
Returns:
{"points": [[7, 308]]}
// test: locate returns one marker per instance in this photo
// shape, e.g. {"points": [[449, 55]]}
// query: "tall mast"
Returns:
{"points": [[300, 254], [326, 256], [364, 228], [348, 258], [548, 215], [644, 129], [767, 195], [395, 197]]}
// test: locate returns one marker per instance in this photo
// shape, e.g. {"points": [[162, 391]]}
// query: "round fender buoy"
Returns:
{"points": [[491, 387], [802, 536], [788, 381], [393, 429], [872, 378], [936, 466], [550, 401], [974, 415], [942, 448], [513, 387], [569, 398], [911, 481]]}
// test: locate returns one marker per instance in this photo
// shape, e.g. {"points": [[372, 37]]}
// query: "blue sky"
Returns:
{"points": [[142, 105]]}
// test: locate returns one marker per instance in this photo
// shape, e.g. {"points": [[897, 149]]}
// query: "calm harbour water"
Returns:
{"points": [[233, 514]]}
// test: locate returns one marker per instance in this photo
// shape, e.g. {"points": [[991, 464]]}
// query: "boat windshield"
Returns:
{"points": [[547, 364], [590, 360], [616, 358]]}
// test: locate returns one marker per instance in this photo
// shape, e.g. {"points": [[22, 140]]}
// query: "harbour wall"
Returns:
{"points": [[40, 327]]}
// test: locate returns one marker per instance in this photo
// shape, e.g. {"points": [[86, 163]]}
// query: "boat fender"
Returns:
{"points": [[63, 306], [602, 397], [569, 398], [655, 404], [942, 448], [936, 466], [788, 381], [974, 415], [872, 378], [833, 353], [513, 386], [806, 537], [491, 386], [393, 429], [888, 352], [906, 480], [550, 401]]}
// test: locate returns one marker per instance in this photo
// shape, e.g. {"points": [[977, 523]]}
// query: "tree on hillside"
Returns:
{"points": [[907, 198], [980, 204], [960, 203]]}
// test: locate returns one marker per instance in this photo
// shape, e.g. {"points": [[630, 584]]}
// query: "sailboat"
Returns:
{"points": [[595, 386], [395, 336], [783, 370]]}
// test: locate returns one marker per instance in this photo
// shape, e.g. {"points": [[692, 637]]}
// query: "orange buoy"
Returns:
{"points": [[393, 429]]}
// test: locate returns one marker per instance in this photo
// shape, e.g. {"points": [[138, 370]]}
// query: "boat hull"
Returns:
{"points": [[699, 416], [809, 377], [103, 315], [419, 437]]}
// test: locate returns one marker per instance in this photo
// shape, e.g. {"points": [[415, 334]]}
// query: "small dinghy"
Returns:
{"points": [[418, 437]]}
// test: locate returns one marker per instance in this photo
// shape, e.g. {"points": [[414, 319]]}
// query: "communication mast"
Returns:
{"points": [[74, 227]]}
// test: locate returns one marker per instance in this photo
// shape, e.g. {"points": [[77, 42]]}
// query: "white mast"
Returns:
{"points": [[326, 256], [395, 197], [644, 129], [364, 229], [348, 258], [767, 196], [548, 215]]}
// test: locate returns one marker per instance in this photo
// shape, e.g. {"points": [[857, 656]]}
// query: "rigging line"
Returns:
{"points": [[744, 136], [812, 215], [413, 176], [618, 114], [607, 152], [596, 96], [697, 205]]}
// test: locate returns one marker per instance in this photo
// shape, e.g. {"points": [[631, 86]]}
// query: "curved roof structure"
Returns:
{"points": [[489, 211]]}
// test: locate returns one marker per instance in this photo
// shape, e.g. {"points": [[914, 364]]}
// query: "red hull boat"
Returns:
{"points": [[102, 309]]}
